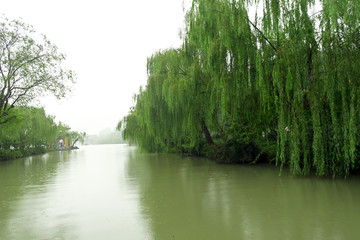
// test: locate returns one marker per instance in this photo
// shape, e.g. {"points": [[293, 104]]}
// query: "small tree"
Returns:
{"points": [[30, 65]]}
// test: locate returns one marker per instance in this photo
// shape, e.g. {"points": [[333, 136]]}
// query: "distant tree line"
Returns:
{"points": [[282, 87], [105, 136]]}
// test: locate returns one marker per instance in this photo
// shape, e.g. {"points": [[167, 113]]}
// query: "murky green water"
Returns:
{"points": [[115, 192]]}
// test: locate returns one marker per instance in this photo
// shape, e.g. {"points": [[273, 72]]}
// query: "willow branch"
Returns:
{"points": [[257, 29]]}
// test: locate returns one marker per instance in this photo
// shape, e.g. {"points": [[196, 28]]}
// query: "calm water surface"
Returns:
{"points": [[116, 192]]}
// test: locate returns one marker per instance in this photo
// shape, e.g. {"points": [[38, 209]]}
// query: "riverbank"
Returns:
{"points": [[11, 154]]}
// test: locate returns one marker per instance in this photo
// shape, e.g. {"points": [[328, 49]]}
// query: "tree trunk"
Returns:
{"points": [[74, 142], [207, 133]]}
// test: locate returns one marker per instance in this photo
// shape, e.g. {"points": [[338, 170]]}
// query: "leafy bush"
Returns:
{"points": [[236, 152], [9, 154]]}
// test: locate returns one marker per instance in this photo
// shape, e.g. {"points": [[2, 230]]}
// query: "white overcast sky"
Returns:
{"points": [[106, 43]]}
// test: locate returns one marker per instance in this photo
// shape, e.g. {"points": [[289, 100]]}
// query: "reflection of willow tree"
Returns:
{"points": [[183, 198], [284, 85]]}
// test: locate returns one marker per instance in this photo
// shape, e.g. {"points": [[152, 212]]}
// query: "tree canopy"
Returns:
{"points": [[32, 132], [283, 85], [30, 65]]}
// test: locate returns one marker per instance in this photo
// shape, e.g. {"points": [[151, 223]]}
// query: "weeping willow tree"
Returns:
{"points": [[312, 71], [32, 132], [170, 113], [284, 80]]}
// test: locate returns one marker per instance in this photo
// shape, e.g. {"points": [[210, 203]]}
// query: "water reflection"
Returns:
{"points": [[116, 192], [24, 198], [70, 195], [192, 198]]}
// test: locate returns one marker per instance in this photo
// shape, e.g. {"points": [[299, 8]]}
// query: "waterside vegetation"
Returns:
{"points": [[33, 132], [281, 87], [30, 67]]}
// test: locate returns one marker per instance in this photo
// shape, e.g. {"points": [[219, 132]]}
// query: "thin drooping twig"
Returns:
{"points": [[257, 29]]}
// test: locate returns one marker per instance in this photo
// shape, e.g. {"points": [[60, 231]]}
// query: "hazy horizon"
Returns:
{"points": [[107, 44]]}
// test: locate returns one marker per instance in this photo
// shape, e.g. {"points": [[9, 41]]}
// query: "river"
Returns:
{"points": [[117, 192]]}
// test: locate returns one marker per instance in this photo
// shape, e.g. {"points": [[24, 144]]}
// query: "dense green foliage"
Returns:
{"points": [[32, 132], [283, 85]]}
